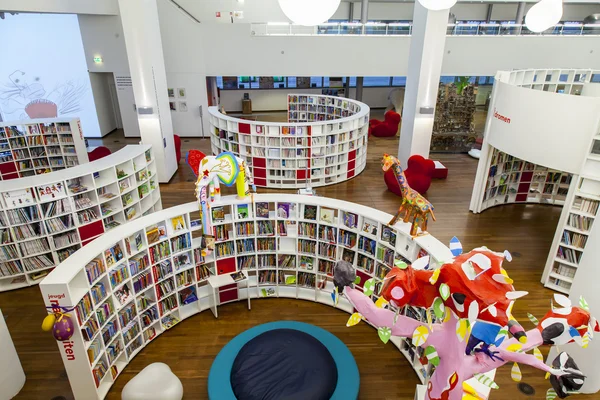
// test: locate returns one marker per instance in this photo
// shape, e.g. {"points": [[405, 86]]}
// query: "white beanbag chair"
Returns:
{"points": [[155, 382]]}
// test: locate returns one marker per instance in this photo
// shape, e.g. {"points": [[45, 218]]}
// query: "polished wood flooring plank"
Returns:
{"points": [[190, 347]]}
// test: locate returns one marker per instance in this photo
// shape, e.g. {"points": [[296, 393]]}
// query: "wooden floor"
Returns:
{"points": [[189, 348]]}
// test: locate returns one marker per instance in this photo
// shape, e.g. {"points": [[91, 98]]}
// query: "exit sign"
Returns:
{"points": [[97, 59]]}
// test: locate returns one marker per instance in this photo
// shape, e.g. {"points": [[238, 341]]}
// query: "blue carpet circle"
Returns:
{"points": [[219, 381]]}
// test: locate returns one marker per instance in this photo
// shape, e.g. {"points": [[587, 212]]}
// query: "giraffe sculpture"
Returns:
{"points": [[413, 204]]}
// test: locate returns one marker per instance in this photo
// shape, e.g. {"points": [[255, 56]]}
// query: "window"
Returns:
{"points": [[376, 81], [398, 81], [291, 81], [316, 81], [220, 82]]}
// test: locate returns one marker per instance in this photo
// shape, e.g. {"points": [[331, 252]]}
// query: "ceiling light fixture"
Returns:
{"points": [[544, 15], [437, 5], [309, 12]]}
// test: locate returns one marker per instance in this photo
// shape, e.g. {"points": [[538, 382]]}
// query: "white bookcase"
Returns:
{"points": [[512, 180], [320, 147], [527, 157], [166, 275], [46, 218], [574, 229], [565, 81], [29, 148]]}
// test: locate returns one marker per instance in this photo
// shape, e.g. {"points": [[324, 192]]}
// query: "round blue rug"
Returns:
{"points": [[348, 378]]}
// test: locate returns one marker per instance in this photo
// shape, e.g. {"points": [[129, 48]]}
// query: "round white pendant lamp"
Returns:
{"points": [[309, 12], [436, 5], [544, 15]]}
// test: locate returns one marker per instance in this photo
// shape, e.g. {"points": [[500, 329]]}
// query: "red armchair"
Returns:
{"points": [[386, 128], [418, 174], [177, 142], [98, 153]]}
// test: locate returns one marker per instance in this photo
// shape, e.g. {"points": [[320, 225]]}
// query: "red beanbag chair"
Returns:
{"points": [[386, 128], [418, 174]]}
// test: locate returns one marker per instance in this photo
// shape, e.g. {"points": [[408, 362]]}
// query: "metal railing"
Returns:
{"points": [[405, 29]]}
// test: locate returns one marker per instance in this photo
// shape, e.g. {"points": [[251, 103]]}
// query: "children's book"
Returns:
{"points": [[123, 294], [178, 223], [350, 219], [130, 213], [218, 214], [238, 276], [162, 232], [153, 235], [283, 210], [243, 211], [262, 210], [310, 212], [327, 215]]}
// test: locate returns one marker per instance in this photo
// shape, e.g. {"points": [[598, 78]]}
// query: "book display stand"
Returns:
{"points": [[46, 218], [29, 148], [324, 142], [528, 157], [149, 274]]}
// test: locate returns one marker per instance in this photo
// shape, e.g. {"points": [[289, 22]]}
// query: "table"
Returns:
{"points": [[218, 281]]}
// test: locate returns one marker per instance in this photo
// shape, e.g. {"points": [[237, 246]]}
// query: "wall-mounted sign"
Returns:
{"points": [[98, 59]]}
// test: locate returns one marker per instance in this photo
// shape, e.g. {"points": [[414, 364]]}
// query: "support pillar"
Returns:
{"points": [[351, 12], [364, 11], [520, 13], [141, 32], [424, 68], [359, 88], [490, 9], [347, 87]]}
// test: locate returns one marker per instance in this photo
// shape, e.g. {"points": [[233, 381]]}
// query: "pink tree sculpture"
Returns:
{"points": [[457, 359]]}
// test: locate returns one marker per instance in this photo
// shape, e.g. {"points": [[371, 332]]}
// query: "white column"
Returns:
{"points": [[12, 377], [424, 67], [147, 66]]}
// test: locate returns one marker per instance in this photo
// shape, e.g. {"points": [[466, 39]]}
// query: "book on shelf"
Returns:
{"points": [[238, 276], [242, 210], [218, 214], [262, 210], [188, 295], [327, 215], [124, 185], [283, 210], [310, 212], [130, 213], [153, 235], [113, 255], [178, 223]]}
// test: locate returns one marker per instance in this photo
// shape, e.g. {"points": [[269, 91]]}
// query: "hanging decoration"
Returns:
{"points": [[309, 12], [544, 15]]}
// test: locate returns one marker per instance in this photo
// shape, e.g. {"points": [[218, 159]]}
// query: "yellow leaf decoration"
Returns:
{"points": [[354, 319], [515, 373], [515, 347], [434, 276], [538, 354], [420, 336], [462, 329], [381, 302]]}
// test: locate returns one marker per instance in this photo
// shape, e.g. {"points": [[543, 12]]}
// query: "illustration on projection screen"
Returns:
{"points": [[28, 95]]}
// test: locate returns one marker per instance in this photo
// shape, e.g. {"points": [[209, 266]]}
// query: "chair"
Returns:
{"points": [[155, 382], [386, 128], [98, 153], [418, 175], [177, 141]]}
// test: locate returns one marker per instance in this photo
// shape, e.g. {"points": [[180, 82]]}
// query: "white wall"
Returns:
{"points": [[61, 6], [45, 62], [276, 99], [103, 101], [382, 56]]}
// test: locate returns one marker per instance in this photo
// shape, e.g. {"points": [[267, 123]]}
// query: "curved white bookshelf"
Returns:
{"points": [[542, 145], [40, 146], [324, 142], [46, 218], [271, 250]]}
